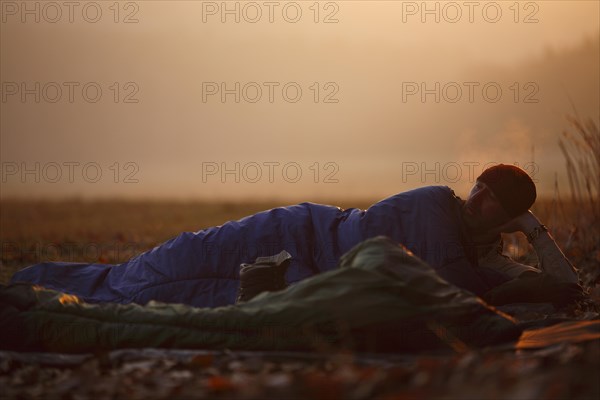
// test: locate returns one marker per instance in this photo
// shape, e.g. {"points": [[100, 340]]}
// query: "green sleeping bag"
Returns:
{"points": [[381, 298]]}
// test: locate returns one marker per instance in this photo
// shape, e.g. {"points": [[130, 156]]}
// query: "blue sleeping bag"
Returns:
{"points": [[202, 268]]}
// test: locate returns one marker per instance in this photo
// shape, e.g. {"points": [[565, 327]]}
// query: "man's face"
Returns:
{"points": [[482, 210]]}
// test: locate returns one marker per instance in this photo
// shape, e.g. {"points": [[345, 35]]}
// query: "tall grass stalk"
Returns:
{"points": [[580, 146]]}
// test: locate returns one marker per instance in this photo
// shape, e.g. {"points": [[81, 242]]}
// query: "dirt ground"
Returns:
{"points": [[567, 371]]}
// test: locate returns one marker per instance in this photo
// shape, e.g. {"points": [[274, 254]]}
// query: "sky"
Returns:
{"points": [[302, 100]]}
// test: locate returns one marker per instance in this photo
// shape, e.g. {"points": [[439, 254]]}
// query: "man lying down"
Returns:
{"points": [[353, 282], [460, 239]]}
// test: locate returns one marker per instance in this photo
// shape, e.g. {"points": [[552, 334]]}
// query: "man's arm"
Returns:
{"points": [[552, 259], [557, 282], [497, 261]]}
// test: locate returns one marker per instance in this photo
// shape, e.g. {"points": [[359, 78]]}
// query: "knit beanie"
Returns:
{"points": [[512, 186]]}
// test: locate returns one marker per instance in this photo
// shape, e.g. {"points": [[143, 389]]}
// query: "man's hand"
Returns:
{"points": [[525, 223], [552, 259]]}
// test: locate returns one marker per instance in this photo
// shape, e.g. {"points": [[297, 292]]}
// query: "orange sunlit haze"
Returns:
{"points": [[293, 99]]}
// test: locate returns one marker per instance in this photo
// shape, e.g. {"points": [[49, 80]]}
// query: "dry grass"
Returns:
{"points": [[580, 146]]}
